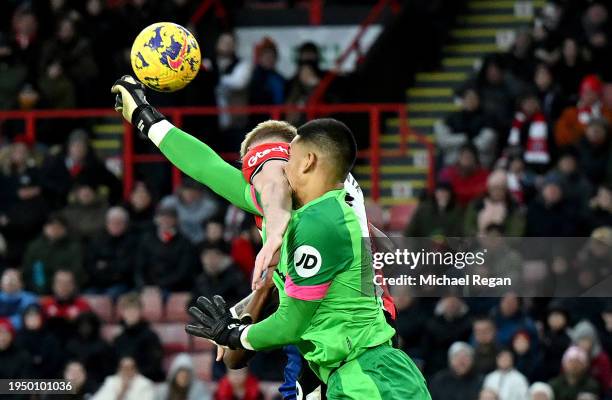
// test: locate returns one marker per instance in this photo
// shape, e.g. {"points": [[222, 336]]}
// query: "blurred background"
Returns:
{"points": [[486, 118]]}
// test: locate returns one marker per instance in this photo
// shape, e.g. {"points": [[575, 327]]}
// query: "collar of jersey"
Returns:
{"points": [[331, 193]]}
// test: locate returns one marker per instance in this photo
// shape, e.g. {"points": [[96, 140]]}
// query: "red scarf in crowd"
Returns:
{"points": [[535, 148]]}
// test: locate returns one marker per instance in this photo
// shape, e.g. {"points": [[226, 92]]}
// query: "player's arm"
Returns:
{"points": [[309, 278], [275, 195], [187, 153]]}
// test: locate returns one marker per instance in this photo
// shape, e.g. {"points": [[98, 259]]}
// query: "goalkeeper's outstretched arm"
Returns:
{"points": [[187, 153]]}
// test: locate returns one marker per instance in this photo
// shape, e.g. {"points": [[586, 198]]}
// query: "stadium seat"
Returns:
{"points": [[176, 307], [202, 363], [110, 332], [173, 337], [102, 305], [399, 216], [152, 306]]}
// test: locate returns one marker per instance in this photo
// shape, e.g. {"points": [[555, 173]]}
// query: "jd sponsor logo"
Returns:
{"points": [[307, 261]]}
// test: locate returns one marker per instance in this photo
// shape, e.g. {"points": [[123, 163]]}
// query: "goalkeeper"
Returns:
{"points": [[328, 307]]}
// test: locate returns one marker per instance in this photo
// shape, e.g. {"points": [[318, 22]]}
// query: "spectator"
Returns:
{"points": [[194, 205], [600, 208], [84, 388], [497, 90], [574, 378], [181, 382], [509, 383], [555, 339], [126, 384], [571, 126], [501, 260], [571, 67], [267, 86], [165, 258], [77, 163], [73, 52], [576, 187], [496, 207], [89, 349], [596, 29], [213, 231], [530, 135], [64, 306], [466, 177], [410, 321], [585, 336], [469, 125], [550, 214], [141, 208], [521, 181], [137, 340], [238, 384], [485, 345], [510, 319], [15, 362], [52, 251], [548, 92], [244, 247], [232, 90], [520, 60], [527, 360], [85, 214], [41, 344], [449, 324], [220, 276], [594, 260], [459, 381], [541, 391], [13, 299], [437, 215], [300, 90], [110, 258], [56, 88], [594, 152], [23, 209]]}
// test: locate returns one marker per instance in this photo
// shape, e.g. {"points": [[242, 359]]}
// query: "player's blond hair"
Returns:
{"points": [[267, 130]]}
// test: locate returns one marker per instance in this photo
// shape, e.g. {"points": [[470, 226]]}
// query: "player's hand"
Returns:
{"points": [[214, 322], [131, 102], [266, 261]]}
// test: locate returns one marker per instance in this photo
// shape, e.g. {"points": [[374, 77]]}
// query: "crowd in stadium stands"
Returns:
{"points": [[94, 288]]}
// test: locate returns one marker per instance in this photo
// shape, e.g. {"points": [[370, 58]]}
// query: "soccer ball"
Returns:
{"points": [[165, 57]]}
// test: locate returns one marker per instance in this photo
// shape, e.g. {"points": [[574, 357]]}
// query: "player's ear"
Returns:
{"points": [[309, 162]]}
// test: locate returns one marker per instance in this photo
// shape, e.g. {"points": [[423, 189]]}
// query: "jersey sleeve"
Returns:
{"points": [[200, 162], [254, 160], [318, 249]]}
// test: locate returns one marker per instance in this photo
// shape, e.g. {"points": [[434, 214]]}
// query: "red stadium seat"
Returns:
{"points": [[202, 363], [152, 307], [176, 307], [399, 216], [173, 337], [110, 331], [102, 305]]}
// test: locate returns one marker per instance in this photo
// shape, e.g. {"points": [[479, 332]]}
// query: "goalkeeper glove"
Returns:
{"points": [[132, 104], [215, 323]]}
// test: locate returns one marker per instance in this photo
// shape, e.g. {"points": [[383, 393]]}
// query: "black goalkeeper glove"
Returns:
{"points": [[132, 104], [213, 321]]}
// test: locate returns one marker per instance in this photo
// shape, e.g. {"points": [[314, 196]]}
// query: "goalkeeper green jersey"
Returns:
{"points": [[325, 275]]}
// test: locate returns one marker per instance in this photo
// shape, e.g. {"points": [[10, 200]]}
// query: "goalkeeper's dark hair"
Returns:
{"points": [[335, 138]]}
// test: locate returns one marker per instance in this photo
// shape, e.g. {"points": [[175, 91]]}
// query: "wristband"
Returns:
{"points": [[144, 116]]}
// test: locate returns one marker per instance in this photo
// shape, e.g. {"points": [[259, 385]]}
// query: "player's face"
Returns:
{"points": [[295, 166]]}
